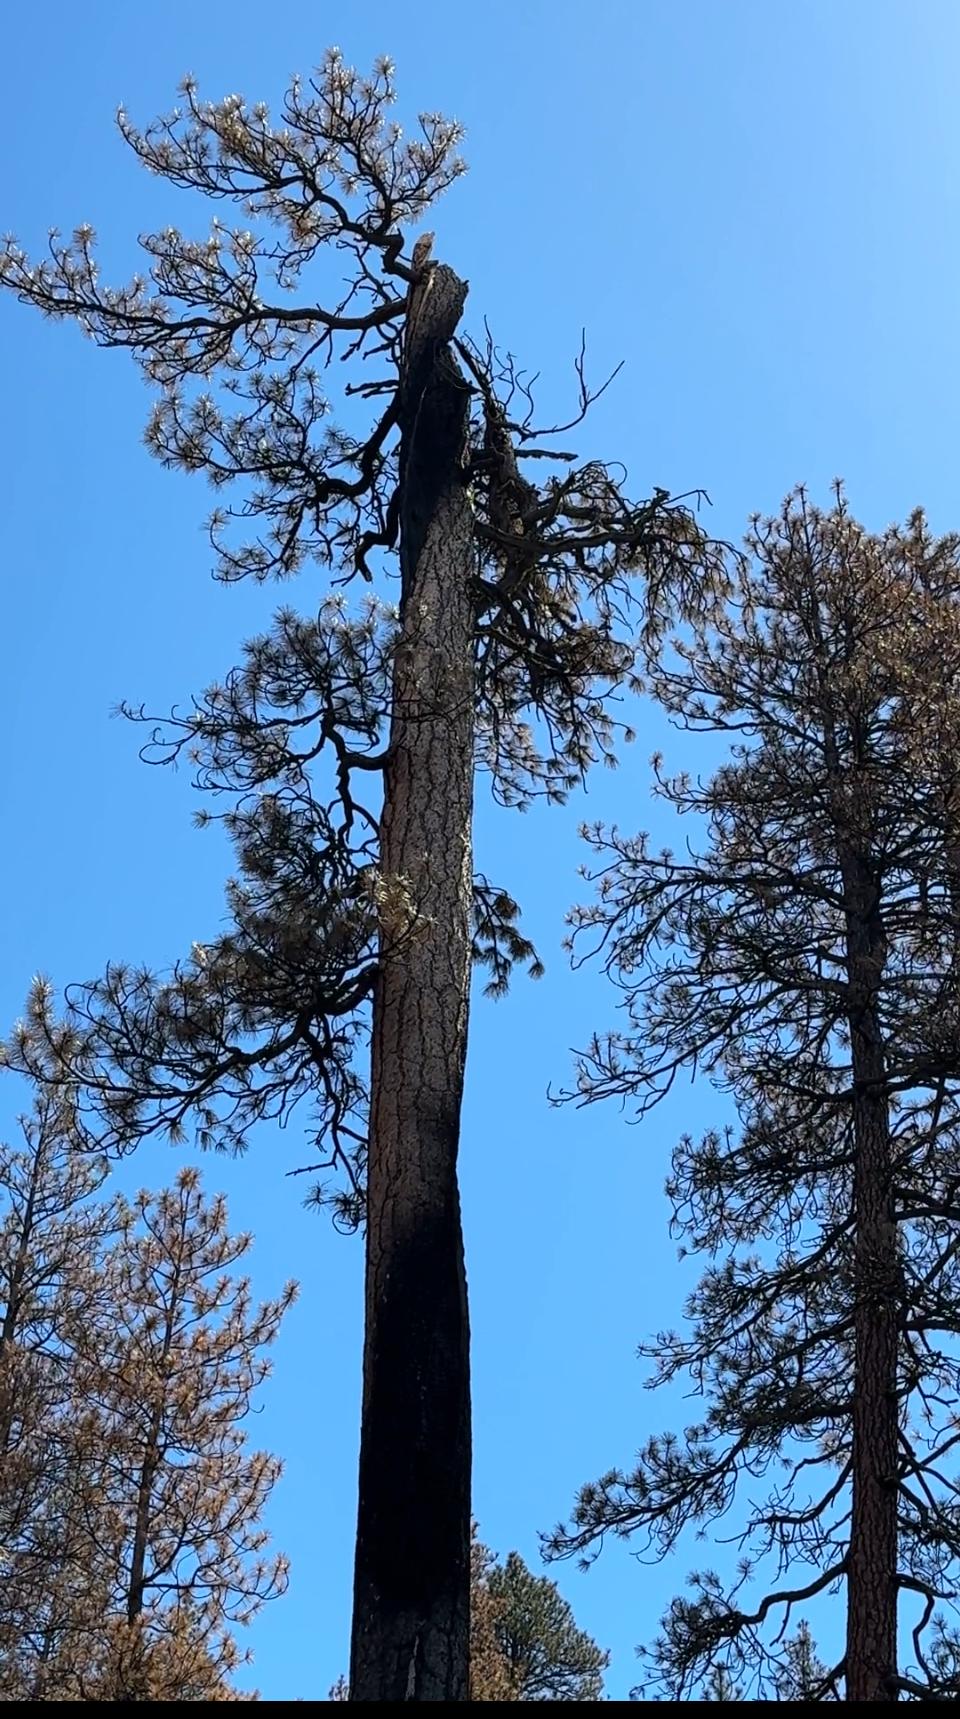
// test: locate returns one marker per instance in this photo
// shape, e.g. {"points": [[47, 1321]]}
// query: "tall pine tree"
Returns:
{"points": [[347, 741], [803, 953]]}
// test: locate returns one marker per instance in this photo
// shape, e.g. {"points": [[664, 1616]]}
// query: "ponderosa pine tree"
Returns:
{"points": [[346, 743], [130, 1535], [52, 1231], [804, 954], [546, 1655], [166, 1388]]}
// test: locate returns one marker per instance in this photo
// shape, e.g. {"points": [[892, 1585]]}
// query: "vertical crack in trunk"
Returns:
{"points": [[411, 1594]]}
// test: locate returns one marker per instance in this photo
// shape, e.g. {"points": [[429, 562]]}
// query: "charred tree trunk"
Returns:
{"points": [[412, 1574], [871, 1654]]}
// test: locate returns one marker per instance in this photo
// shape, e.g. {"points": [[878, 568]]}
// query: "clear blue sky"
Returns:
{"points": [[756, 206]]}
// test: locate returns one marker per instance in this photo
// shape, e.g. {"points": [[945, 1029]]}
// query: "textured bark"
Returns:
{"points": [[871, 1656], [412, 1575]]}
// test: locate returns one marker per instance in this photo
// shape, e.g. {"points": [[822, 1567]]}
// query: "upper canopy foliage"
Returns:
{"points": [[237, 332]]}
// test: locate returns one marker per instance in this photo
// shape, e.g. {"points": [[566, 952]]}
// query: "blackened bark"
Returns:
{"points": [[871, 1655], [412, 1573]]}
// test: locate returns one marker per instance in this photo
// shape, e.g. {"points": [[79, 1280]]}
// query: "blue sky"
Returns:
{"points": [[756, 206]]}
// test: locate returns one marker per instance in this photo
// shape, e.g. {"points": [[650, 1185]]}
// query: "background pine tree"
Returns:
{"points": [[130, 1504], [803, 953]]}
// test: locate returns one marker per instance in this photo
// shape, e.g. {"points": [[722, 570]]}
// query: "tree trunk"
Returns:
{"points": [[136, 1589], [871, 1657], [412, 1574]]}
